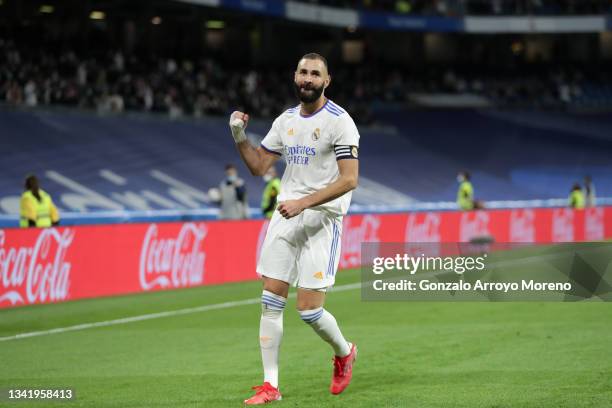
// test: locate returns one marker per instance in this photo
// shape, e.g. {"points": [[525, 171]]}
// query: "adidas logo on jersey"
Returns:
{"points": [[318, 275], [290, 132]]}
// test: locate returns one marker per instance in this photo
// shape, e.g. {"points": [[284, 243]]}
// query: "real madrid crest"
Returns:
{"points": [[316, 134]]}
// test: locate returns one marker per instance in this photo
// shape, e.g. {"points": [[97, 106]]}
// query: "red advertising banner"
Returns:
{"points": [[59, 264]]}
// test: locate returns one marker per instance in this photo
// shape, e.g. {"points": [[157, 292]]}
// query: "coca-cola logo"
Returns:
{"points": [[522, 225], [173, 261], [563, 225], [594, 224], [473, 224], [423, 227], [354, 234], [36, 274]]}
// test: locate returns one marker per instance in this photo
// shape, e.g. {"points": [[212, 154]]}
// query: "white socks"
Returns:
{"points": [[271, 334], [327, 328]]}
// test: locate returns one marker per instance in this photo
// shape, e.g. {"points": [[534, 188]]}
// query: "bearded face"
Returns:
{"points": [[308, 92], [311, 79]]}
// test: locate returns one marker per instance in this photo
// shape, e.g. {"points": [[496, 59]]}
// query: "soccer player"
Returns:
{"points": [[319, 142]]}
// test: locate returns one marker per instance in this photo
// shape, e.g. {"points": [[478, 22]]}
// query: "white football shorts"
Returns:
{"points": [[303, 251]]}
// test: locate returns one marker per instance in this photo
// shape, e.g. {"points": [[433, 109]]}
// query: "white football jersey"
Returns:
{"points": [[311, 146]]}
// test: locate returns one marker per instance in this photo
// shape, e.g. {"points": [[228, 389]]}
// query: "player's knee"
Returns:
{"points": [[311, 316], [275, 286]]}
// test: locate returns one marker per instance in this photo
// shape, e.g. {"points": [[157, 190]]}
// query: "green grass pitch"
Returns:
{"points": [[411, 354]]}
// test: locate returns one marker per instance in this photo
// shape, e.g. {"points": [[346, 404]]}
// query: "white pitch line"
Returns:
{"points": [[159, 315], [226, 305]]}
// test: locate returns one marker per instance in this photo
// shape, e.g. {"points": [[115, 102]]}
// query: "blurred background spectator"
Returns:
{"points": [[589, 192], [233, 200], [576, 197]]}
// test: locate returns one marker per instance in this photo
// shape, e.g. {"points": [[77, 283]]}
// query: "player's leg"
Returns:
{"points": [[273, 300], [277, 267], [310, 306], [317, 267]]}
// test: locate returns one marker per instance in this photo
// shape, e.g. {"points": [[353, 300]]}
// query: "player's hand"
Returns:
{"points": [[290, 208], [238, 122]]}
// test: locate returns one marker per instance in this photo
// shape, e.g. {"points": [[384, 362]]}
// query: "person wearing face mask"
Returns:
{"points": [[233, 195], [270, 193], [465, 194]]}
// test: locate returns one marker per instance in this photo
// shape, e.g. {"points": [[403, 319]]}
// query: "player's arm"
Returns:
{"points": [[257, 160], [346, 181]]}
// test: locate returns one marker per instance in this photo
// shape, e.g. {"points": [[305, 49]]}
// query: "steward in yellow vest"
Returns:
{"points": [[270, 195], [465, 194], [576, 197], [36, 206]]}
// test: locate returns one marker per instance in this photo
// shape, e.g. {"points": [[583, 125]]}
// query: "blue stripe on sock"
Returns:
{"points": [[282, 300], [309, 313], [313, 318], [273, 298], [272, 301]]}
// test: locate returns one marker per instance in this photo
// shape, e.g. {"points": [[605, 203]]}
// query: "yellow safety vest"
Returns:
{"points": [[267, 197], [42, 211], [465, 196], [576, 199]]}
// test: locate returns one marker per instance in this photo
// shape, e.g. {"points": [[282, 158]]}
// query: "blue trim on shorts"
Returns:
{"points": [[332, 251]]}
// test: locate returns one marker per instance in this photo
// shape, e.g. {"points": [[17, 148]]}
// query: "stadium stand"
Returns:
{"points": [[204, 86], [511, 156], [453, 7], [118, 112]]}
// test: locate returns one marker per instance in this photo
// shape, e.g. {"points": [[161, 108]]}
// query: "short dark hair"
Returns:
{"points": [[31, 182], [315, 56], [229, 166], [465, 174]]}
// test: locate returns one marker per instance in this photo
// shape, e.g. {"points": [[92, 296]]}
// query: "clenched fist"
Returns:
{"points": [[238, 122]]}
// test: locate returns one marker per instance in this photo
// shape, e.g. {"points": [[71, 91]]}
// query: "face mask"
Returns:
{"points": [[459, 178], [232, 178], [267, 177]]}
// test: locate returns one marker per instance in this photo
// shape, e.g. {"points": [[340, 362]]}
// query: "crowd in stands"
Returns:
{"points": [[203, 86], [479, 7]]}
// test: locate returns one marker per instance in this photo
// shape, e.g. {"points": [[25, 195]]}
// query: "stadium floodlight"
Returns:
{"points": [[97, 15], [46, 9], [156, 20]]}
